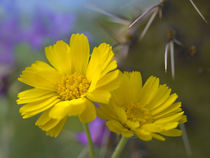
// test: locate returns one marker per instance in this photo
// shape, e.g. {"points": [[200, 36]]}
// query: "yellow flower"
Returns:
{"points": [[148, 111], [67, 87]]}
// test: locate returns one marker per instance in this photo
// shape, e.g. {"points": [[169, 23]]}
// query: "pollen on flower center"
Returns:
{"points": [[136, 112], [72, 86]]}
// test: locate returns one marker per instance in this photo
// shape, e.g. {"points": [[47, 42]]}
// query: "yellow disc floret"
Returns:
{"points": [[72, 86], [137, 112]]}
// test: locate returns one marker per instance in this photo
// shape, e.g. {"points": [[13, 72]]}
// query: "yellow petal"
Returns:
{"points": [[43, 119], [132, 124], [100, 63], [149, 90], [60, 57], [89, 112], [99, 96], [129, 89], [111, 111], [151, 127], [183, 119], [51, 126], [33, 95], [80, 51], [34, 108], [143, 135], [158, 137], [169, 102], [160, 97], [116, 127], [172, 118], [67, 108], [54, 132], [132, 86], [110, 81], [40, 75], [168, 126], [172, 133], [175, 108]]}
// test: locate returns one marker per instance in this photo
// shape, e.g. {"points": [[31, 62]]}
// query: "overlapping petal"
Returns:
{"points": [[52, 127], [60, 57], [100, 64], [40, 75]]}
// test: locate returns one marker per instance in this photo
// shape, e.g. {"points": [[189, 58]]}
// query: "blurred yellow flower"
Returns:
{"points": [[68, 86], [149, 111]]}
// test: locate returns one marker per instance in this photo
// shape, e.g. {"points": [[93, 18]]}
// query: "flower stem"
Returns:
{"points": [[90, 143], [119, 147]]}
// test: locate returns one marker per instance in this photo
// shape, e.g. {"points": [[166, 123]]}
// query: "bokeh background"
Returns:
{"points": [[26, 27]]}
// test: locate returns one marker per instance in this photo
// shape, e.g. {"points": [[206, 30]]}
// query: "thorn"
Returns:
{"points": [[185, 140], [196, 8], [117, 18], [149, 23], [178, 42], [166, 56], [147, 11], [172, 59]]}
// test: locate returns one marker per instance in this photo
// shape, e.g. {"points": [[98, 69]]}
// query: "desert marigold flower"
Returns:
{"points": [[149, 111], [68, 86]]}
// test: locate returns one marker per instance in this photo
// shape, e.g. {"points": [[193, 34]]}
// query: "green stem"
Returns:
{"points": [[90, 143], [119, 147]]}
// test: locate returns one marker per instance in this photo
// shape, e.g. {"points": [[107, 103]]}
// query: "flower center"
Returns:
{"points": [[136, 112], [72, 86]]}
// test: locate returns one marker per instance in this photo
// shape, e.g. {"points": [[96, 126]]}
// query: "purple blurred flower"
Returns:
{"points": [[48, 25], [10, 35], [99, 133]]}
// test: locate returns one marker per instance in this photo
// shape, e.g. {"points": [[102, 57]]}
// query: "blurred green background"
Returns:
{"points": [[26, 27]]}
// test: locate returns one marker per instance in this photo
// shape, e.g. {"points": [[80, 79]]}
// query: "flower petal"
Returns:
{"points": [[149, 90], [114, 113], [89, 112], [101, 62], [34, 108], [67, 108], [172, 118], [33, 95], [174, 108], [54, 132], [60, 57], [116, 127], [99, 96], [110, 81], [40, 75], [165, 105], [80, 51], [172, 133], [161, 96], [158, 137], [51, 126], [143, 135]]}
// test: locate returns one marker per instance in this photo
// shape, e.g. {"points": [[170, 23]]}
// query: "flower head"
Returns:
{"points": [[68, 87], [148, 111]]}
